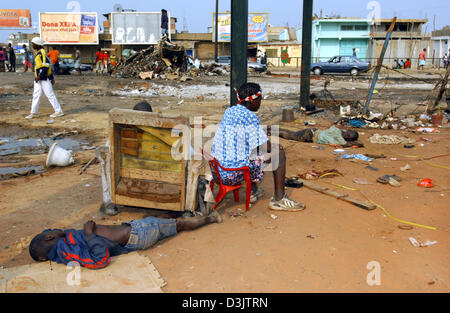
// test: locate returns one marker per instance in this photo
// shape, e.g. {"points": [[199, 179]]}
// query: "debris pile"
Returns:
{"points": [[381, 121], [163, 59], [166, 61]]}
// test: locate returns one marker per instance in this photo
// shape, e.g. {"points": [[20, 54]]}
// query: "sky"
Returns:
{"points": [[196, 15]]}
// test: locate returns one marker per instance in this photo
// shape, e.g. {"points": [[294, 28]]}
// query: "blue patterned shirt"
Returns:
{"points": [[239, 133]]}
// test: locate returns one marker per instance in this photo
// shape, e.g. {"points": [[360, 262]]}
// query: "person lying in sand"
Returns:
{"points": [[94, 246]]}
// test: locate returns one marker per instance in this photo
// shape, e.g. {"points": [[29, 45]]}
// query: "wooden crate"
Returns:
{"points": [[143, 171]]}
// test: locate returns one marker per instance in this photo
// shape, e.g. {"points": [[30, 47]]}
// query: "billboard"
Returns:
{"points": [[136, 28], [69, 28], [257, 27], [15, 18]]}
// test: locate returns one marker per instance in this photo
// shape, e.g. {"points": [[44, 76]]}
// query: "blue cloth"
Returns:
{"points": [[357, 156], [91, 251], [357, 123], [239, 133], [422, 62], [148, 231]]}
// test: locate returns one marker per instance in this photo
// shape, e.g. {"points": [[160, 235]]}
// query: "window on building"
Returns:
{"points": [[272, 53], [361, 27], [346, 27]]}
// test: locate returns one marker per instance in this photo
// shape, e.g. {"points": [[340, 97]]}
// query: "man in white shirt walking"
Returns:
{"points": [[43, 81]]}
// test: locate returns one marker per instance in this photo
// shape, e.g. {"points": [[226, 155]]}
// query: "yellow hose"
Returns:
{"points": [[383, 209]]}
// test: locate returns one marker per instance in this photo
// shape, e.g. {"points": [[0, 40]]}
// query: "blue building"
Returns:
{"points": [[331, 37]]}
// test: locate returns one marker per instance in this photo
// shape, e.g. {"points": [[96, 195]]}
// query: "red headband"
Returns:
{"points": [[253, 97]]}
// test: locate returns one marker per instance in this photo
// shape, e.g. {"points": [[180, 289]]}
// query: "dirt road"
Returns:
{"points": [[325, 248]]}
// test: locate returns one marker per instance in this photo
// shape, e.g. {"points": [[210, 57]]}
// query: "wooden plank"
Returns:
{"points": [[359, 203], [162, 134], [140, 118], [139, 189], [128, 201], [167, 177], [114, 138], [163, 166], [143, 186]]}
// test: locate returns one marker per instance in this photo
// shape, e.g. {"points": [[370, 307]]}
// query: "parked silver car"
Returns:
{"points": [[340, 64], [257, 67]]}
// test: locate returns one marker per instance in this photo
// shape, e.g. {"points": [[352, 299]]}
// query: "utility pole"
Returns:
{"points": [[239, 46], [306, 56], [216, 35]]}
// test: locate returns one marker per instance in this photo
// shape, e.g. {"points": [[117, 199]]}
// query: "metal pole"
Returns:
{"points": [[306, 55], [379, 64], [216, 31], [239, 46]]}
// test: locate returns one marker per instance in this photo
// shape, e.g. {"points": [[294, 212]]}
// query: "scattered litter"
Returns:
{"points": [[427, 183], [393, 182], [361, 181], [181, 102], [51, 121], [390, 139], [273, 216], [415, 243], [389, 179], [426, 130], [87, 147], [357, 157], [405, 227], [395, 251], [357, 123], [310, 237], [338, 151], [87, 185], [408, 146], [235, 213], [372, 168], [293, 183], [313, 174], [405, 168]]}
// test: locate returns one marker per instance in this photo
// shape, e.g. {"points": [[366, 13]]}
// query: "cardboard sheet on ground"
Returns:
{"points": [[126, 273]]}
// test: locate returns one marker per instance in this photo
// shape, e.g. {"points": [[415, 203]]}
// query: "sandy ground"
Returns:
{"points": [[325, 248]]}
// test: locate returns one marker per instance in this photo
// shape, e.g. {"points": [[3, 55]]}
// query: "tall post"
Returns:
{"points": [[239, 46], [216, 35], [306, 55], [379, 64]]}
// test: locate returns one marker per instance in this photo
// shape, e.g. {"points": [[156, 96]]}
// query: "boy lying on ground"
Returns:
{"points": [[240, 140], [308, 135], [94, 246]]}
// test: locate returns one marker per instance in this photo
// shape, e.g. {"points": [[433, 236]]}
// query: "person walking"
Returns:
{"points": [[26, 63], [99, 65], [77, 65], [164, 23], [43, 81], [422, 58], [354, 52], [12, 58], [2, 60], [54, 57]]}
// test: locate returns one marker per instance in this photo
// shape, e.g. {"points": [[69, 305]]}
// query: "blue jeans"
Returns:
{"points": [[148, 231]]}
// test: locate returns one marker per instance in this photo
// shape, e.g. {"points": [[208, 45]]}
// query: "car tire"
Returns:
{"points": [[317, 71], [354, 71]]}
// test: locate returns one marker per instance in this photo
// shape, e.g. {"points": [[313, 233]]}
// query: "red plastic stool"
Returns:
{"points": [[224, 189]]}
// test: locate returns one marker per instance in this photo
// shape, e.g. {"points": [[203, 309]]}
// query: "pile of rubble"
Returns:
{"points": [[379, 120], [166, 61]]}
